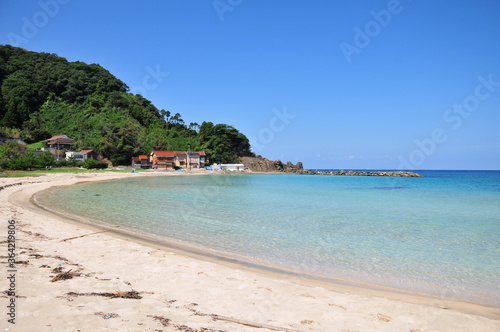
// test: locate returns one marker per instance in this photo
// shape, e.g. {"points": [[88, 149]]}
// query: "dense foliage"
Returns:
{"points": [[14, 156], [92, 163], [43, 95]]}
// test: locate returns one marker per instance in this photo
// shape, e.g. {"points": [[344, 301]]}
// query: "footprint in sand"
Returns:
{"points": [[266, 288], [307, 295], [338, 306], [380, 318]]}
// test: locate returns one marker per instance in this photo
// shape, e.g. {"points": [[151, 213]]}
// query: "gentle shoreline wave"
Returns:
{"points": [[259, 264]]}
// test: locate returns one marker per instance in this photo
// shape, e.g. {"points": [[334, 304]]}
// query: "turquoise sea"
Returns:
{"points": [[439, 234]]}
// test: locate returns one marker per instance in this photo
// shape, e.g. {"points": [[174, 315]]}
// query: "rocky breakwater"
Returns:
{"points": [[363, 173], [261, 164]]}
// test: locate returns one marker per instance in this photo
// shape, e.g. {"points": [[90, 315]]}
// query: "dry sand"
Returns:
{"points": [[124, 284]]}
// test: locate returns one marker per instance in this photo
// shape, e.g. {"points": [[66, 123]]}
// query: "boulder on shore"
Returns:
{"points": [[261, 164]]}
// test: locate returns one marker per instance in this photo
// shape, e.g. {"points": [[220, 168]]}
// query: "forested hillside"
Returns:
{"points": [[43, 94]]}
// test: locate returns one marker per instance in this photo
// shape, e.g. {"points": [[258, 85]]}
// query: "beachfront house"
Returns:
{"points": [[162, 159], [197, 159], [233, 167], [180, 158], [60, 142], [203, 159], [177, 159], [141, 161], [57, 144], [82, 155]]}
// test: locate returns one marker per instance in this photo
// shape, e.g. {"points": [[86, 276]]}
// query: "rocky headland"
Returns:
{"points": [[261, 164]]}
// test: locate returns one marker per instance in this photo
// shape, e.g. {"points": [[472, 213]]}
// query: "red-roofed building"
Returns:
{"points": [[177, 159], [141, 161], [57, 144], [162, 159], [60, 142]]}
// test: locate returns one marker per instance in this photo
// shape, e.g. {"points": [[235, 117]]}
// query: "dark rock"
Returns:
{"points": [[362, 173], [261, 164]]}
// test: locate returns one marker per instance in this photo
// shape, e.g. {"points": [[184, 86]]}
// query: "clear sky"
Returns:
{"points": [[332, 83]]}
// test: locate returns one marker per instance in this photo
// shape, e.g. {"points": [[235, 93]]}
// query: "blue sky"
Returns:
{"points": [[332, 83]]}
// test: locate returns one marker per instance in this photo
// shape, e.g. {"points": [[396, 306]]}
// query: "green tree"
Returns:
{"points": [[43, 94], [12, 150], [44, 160], [223, 143], [26, 161], [92, 163], [16, 113]]}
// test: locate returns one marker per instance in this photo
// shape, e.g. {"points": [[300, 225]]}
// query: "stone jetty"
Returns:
{"points": [[261, 164]]}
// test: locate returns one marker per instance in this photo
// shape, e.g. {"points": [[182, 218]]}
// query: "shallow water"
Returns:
{"points": [[439, 234]]}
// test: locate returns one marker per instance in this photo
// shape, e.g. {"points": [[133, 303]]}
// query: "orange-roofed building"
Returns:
{"points": [[177, 159], [162, 159], [141, 161]]}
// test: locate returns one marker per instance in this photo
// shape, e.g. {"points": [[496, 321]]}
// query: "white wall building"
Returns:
{"points": [[233, 167]]}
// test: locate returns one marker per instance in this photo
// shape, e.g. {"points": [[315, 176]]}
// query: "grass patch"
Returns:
{"points": [[36, 146], [72, 170], [17, 174]]}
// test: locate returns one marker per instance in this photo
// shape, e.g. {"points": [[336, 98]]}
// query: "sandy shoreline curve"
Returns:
{"points": [[120, 282]]}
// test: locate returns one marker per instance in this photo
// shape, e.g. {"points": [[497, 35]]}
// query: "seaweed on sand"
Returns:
{"points": [[63, 275], [122, 295]]}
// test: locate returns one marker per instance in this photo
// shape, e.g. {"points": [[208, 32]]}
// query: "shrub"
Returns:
{"points": [[71, 162], [89, 163], [44, 160], [24, 162], [102, 165], [61, 163], [4, 164], [28, 161], [92, 163], [12, 150]]}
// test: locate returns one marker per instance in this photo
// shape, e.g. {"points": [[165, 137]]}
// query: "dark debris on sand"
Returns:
{"points": [[121, 295], [63, 275], [165, 322]]}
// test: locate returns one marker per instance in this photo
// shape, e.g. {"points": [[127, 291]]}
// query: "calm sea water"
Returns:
{"points": [[439, 234]]}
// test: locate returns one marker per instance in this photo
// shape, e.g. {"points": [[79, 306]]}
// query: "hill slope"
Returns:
{"points": [[43, 94]]}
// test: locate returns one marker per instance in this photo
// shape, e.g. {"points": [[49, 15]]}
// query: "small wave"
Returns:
{"points": [[392, 188]]}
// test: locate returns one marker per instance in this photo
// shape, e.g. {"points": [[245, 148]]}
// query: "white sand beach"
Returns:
{"points": [[121, 283]]}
